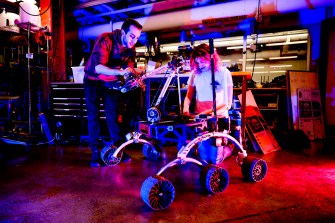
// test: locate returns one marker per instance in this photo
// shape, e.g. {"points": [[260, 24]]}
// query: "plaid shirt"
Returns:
{"points": [[109, 51]]}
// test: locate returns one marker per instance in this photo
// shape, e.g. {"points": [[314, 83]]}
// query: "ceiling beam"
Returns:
{"points": [[117, 11], [94, 3]]}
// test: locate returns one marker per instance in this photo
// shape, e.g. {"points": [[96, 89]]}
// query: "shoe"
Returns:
{"points": [[95, 158], [94, 164]]}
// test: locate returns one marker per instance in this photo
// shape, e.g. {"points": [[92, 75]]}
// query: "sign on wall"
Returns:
{"points": [[295, 80]]}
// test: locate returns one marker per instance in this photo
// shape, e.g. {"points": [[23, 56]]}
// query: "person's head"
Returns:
{"points": [[200, 60], [131, 31]]}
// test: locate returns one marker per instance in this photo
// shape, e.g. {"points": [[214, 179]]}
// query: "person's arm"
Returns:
{"points": [[102, 69], [230, 96], [188, 100], [229, 89]]}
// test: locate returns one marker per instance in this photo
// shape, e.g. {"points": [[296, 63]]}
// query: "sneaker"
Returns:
{"points": [[95, 159], [94, 164]]}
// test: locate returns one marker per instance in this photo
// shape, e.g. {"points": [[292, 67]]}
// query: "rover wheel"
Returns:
{"points": [[153, 115], [107, 155], [157, 192], [254, 169], [151, 152], [214, 178]]}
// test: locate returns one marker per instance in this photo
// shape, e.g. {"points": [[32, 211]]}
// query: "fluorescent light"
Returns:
{"points": [[282, 58], [172, 47], [277, 71], [252, 59], [234, 47], [288, 65], [286, 43], [260, 72], [140, 49], [224, 61], [255, 67], [165, 49]]}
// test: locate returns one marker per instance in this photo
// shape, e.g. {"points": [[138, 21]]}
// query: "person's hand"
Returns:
{"points": [[139, 71], [207, 112], [126, 71], [186, 113]]}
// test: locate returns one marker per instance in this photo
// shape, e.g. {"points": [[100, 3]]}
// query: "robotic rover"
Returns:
{"points": [[158, 192]]}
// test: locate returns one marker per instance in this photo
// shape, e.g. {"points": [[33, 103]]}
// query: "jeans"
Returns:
{"points": [[94, 90], [131, 110]]}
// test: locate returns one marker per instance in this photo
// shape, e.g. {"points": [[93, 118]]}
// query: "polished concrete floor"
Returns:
{"points": [[56, 184]]}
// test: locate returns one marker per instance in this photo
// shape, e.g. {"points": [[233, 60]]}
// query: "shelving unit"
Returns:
{"points": [[23, 75], [272, 102]]}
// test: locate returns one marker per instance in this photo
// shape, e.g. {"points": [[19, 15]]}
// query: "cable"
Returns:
{"points": [[43, 143], [256, 30]]}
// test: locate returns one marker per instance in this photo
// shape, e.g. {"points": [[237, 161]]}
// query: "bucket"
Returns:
{"points": [[78, 74], [29, 13]]}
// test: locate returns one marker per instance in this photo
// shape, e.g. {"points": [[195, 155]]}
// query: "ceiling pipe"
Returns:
{"points": [[194, 17]]}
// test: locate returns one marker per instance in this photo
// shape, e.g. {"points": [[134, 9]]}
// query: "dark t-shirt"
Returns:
{"points": [[108, 51]]}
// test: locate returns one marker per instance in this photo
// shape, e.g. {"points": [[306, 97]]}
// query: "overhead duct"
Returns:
{"points": [[194, 16]]}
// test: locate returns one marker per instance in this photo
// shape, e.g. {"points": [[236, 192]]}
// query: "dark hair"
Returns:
{"points": [[130, 22], [203, 50]]}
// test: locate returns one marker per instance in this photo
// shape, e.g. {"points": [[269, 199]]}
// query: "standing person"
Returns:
{"points": [[112, 57], [200, 84]]}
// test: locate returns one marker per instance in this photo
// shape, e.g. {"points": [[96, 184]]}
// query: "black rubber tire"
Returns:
{"points": [[157, 192], [214, 178], [254, 169], [151, 152], [107, 155]]}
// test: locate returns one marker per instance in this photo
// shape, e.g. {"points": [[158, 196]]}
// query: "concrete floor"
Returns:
{"points": [[56, 184]]}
